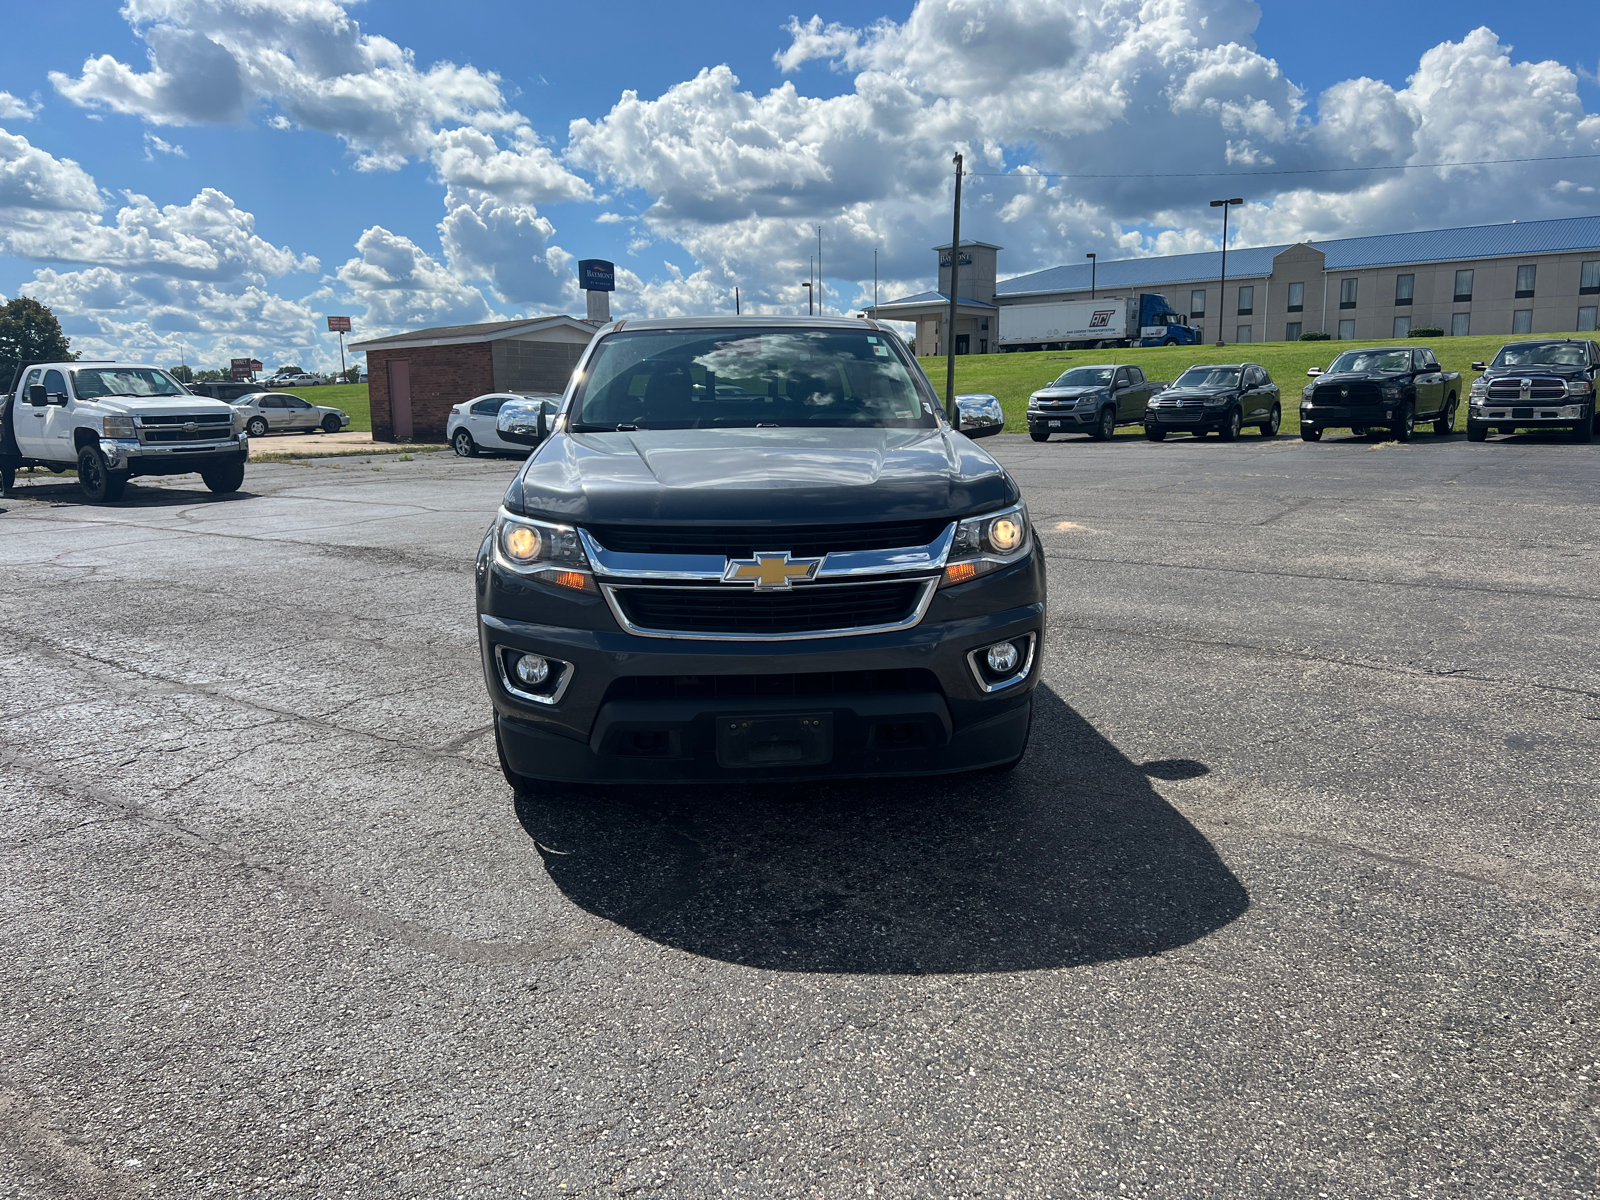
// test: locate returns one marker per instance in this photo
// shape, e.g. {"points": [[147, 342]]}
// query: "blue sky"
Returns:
{"points": [[694, 188]]}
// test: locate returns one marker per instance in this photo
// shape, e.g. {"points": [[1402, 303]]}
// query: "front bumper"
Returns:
{"points": [[648, 709], [1178, 420], [1531, 414], [1340, 416], [125, 454], [1063, 419]]}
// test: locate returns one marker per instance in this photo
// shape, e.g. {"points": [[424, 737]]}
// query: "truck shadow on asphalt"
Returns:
{"points": [[1073, 859], [140, 494]]}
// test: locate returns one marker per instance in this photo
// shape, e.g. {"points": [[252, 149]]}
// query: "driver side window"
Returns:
{"points": [[55, 383], [1120, 379]]}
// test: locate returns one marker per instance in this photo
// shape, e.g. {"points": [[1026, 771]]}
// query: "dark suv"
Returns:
{"points": [[754, 548], [1536, 385], [1223, 396]]}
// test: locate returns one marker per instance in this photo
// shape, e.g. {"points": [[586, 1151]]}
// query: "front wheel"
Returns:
{"points": [[1106, 427], [1274, 423], [256, 427], [1446, 424], [1039, 435], [223, 480], [1231, 427], [1310, 435], [330, 424], [8, 477], [1155, 435], [1477, 431], [100, 484], [1170, 342], [1582, 431], [1406, 424], [463, 444]]}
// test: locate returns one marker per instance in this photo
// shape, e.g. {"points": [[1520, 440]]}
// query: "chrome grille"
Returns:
{"points": [[1509, 388], [207, 427]]}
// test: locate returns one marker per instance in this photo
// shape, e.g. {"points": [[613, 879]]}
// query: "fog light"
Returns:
{"points": [[532, 670], [1002, 658]]}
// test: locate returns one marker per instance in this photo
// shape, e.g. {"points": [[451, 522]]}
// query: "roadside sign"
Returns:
{"points": [[244, 368], [338, 324], [597, 275]]}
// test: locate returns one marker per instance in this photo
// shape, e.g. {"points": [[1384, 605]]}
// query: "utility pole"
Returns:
{"points": [[820, 271], [1222, 286], [736, 300], [1093, 263], [950, 323], [874, 283], [807, 286]]}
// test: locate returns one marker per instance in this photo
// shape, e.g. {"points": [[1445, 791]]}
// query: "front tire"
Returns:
{"points": [[1310, 435], [1583, 431], [1407, 424], [1106, 427], [1274, 423], [1170, 342], [1477, 431], [464, 446], [8, 479], [330, 424], [1230, 429], [100, 484], [1155, 435], [257, 427], [223, 480], [1446, 424]]}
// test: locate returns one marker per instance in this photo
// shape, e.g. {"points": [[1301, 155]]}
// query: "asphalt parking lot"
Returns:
{"points": [[1295, 894]]}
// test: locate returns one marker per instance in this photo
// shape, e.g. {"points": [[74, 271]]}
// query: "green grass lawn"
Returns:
{"points": [[352, 397], [1012, 377]]}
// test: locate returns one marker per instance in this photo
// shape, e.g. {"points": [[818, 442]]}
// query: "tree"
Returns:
{"points": [[29, 333], [181, 373]]}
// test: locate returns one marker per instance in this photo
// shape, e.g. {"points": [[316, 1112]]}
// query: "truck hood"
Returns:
{"points": [[162, 406], [734, 476], [1066, 393], [1349, 377], [1530, 372]]}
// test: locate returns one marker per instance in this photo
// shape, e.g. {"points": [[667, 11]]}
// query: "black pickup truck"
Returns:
{"points": [[1536, 385], [753, 548], [1389, 387]]}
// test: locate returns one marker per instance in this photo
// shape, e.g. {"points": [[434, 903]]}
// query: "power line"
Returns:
{"points": [[1482, 162]]}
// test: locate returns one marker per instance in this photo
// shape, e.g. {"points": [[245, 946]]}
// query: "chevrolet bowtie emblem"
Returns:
{"points": [[769, 571]]}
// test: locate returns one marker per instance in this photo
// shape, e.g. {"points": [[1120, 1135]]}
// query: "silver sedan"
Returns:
{"points": [[281, 412]]}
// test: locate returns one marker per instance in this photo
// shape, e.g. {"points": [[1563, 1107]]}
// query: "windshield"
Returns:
{"points": [[1209, 377], [1550, 354], [1372, 360], [1085, 377], [763, 378], [124, 381]]}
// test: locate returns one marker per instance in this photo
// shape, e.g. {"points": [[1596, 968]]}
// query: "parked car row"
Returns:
{"points": [[1540, 384]]}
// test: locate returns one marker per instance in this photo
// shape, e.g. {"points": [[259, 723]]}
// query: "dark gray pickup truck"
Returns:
{"points": [[1091, 399], [1387, 387]]}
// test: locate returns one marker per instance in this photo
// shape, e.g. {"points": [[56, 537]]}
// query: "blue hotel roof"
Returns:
{"points": [[1343, 254]]}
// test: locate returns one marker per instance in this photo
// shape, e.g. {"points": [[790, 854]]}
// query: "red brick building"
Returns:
{"points": [[414, 378]]}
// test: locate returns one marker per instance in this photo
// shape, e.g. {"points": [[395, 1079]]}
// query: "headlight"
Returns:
{"points": [[540, 550], [1219, 401], [1305, 392], [1390, 391], [238, 421], [1480, 388], [987, 543], [119, 427], [1579, 387]]}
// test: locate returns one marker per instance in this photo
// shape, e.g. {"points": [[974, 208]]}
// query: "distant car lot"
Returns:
{"points": [[1294, 894]]}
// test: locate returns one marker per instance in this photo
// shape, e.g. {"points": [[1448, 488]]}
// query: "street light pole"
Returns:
{"points": [[1093, 263], [819, 270], [807, 286], [950, 324], [1222, 285]]}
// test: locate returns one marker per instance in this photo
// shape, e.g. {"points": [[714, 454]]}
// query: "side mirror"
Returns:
{"points": [[37, 396], [1314, 372], [1477, 366], [521, 421]]}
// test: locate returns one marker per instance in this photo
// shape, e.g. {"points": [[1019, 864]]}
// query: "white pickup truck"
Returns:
{"points": [[113, 421]]}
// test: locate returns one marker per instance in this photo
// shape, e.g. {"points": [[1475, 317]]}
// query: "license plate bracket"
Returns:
{"points": [[802, 740]]}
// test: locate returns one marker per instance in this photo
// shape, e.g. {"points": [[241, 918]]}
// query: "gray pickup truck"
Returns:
{"points": [[1091, 399]]}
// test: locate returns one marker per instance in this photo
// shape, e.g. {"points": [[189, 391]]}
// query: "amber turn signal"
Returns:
{"points": [[960, 572], [576, 580]]}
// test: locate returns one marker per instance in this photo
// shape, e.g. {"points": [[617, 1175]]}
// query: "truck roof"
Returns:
{"points": [[753, 322]]}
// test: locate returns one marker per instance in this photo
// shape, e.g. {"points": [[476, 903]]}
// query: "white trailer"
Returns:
{"points": [[1145, 319]]}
